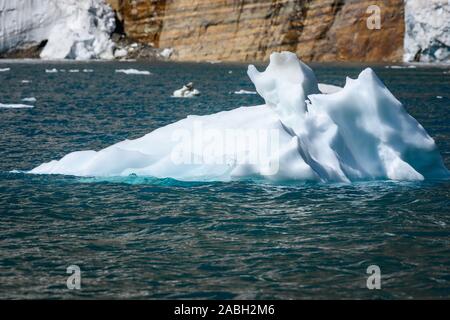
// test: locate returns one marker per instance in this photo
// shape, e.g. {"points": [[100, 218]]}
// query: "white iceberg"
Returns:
{"points": [[133, 71], [120, 53], [15, 106], [70, 29], [187, 91], [54, 70], [361, 132], [242, 91], [4, 69], [30, 99], [166, 53]]}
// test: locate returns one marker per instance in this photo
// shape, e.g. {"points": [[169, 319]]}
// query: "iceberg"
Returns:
{"points": [[166, 53], [187, 91], [15, 106], [30, 99], [242, 91], [67, 29], [133, 71], [4, 69], [357, 133]]}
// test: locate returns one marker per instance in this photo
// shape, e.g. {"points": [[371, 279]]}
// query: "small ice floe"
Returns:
{"points": [[4, 69], [188, 91], [166, 53], [74, 70], [230, 72], [30, 99], [244, 92], [133, 71], [120, 53], [328, 88], [214, 61], [25, 81], [439, 97], [62, 70], [401, 67], [54, 70], [88, 70], [15, 106]]}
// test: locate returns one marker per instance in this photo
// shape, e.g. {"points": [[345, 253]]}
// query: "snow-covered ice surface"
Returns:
{"points": [[361, 132], [15, 106], [427, 31], [133, 71], [75, 29], [328, 88]]}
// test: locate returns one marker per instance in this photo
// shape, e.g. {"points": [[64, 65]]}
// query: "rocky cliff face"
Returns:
{"points": [[319, 30]]}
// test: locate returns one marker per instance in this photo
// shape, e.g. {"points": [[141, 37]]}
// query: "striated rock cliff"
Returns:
{"points": [[319, 30]]}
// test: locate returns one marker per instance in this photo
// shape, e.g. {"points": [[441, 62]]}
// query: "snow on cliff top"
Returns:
{"points": [[75, 29]]}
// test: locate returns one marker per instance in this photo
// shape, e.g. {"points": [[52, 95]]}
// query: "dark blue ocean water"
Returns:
{"points": [[147, 238]]}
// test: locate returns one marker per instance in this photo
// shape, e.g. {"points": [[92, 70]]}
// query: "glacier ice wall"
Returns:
{"points": [[75, 29], [427, 31], [359, 132]]}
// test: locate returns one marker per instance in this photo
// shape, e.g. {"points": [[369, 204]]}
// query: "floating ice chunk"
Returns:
{"points": [[15, 106], [54, 70], [242, 91], [25, 81], [30, 99], [361, 132], [133, 71], [4, 69], [166, 53], [439, 97], [187, 91], [401, 67], [329, 88], [120, 53], [88, 70], [74, 70]]}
